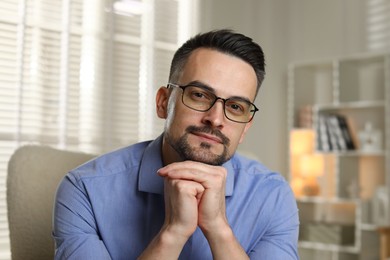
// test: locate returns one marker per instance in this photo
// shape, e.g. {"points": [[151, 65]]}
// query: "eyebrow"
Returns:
{"points": [[204, 86], [200, 84]]}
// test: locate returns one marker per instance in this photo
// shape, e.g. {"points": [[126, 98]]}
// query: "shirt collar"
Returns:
{"points": [[150, 181]]}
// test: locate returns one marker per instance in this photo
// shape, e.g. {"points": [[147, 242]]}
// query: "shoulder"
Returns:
{"points": [[250, 168], [121, 160], [268, 188], [265, 192], [254, 177]]}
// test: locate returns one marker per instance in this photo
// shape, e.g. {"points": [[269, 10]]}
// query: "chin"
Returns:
{"points": [[207, 157], [193, 150]]}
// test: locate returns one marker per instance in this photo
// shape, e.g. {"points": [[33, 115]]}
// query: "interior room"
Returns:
{"points": [[327, 62]]}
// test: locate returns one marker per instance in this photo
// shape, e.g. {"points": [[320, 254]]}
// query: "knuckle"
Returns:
{"points": [[180, 186], [220, 177], [222, 173]]}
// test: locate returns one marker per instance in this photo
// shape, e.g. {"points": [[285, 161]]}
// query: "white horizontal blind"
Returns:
{"points": [[10, 53], [125, 65], [166, 27], [8, 105], [378, 25], [76, 76]]}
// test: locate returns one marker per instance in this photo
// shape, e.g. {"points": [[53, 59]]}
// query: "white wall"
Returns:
{"points": [[319, 29], [288, 31]]}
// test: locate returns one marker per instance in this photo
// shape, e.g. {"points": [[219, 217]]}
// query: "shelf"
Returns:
{"points": [[328, 247], [346, 102], [369, 227], [354, 153], [351, 105], [314, 199]]}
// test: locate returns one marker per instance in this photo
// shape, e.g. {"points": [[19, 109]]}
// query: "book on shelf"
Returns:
{"points": [[346, 132], [334, 133], [323, 135]]}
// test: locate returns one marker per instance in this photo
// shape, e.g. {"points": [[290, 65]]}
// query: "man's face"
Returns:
{"points": [[207, 137]]}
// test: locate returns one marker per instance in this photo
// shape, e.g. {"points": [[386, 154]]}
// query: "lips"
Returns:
{"points": [[209, 137], [209, 134]]}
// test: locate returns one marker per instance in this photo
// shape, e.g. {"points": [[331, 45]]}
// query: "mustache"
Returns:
{"points": [[209, 130]]}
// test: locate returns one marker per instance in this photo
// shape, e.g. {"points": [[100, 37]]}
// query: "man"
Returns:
{"points": [[185, 195]]}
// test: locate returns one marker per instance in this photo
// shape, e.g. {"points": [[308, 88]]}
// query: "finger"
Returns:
{"points": [[185, 186], [195, 171]]}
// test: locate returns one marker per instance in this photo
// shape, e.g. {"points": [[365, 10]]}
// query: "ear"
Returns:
{"points": [[162, 98], [247, 126]]}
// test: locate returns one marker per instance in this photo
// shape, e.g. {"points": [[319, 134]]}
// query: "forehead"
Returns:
{"points": [[226, 74]]}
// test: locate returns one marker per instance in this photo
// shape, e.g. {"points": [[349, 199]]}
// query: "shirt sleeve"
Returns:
{"points": [[280, 242], [74, 227]]}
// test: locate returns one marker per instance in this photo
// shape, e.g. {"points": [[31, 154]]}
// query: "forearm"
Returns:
{"points": [[224, 244], [166, 245]]}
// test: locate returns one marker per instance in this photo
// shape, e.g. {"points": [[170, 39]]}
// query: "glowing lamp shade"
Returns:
{"points": [[311, 165], [305, 164], [301, 141]]}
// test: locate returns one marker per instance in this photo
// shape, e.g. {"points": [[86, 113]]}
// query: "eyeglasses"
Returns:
{"points": [[200, 99]]}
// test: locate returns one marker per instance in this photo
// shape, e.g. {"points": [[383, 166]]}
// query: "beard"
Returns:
{"points": [[203, 152]]}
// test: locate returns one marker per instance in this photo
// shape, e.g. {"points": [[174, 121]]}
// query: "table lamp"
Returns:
{"points": [[311, 167], [305, 164]]}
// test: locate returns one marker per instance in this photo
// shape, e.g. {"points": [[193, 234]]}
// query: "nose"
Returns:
{"points": [[215, 116]]}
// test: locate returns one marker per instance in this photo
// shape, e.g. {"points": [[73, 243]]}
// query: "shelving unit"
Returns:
{"points": [[342, 220]]}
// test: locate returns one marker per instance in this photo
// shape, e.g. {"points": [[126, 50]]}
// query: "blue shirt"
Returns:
{"points": [[113, 206]]}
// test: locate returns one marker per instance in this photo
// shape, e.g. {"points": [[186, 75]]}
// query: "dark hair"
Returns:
{"points": [[225, 41]]}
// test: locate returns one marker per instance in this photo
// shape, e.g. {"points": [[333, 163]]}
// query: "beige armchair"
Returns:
{"points": [[34, 173]]}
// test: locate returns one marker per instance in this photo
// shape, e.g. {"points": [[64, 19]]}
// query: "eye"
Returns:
{"points": [[199, 94], [237, 107]]}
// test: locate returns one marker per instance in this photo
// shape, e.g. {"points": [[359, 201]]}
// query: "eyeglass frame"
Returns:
{"points": [[192, 84]]}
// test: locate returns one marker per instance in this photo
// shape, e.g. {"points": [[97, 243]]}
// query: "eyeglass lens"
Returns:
{"points": [[235, 109]]}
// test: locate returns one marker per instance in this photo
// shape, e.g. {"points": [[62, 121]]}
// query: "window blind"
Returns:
{"points": [[77, 76], [378, 25]]}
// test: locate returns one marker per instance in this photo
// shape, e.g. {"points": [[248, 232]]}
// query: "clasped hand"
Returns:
{"points": [[194, 196]]}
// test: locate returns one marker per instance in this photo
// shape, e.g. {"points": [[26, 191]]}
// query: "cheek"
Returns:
{"points": [[172, 107], [244, 131], [181, 115], [236, 137], [178, 118]]}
